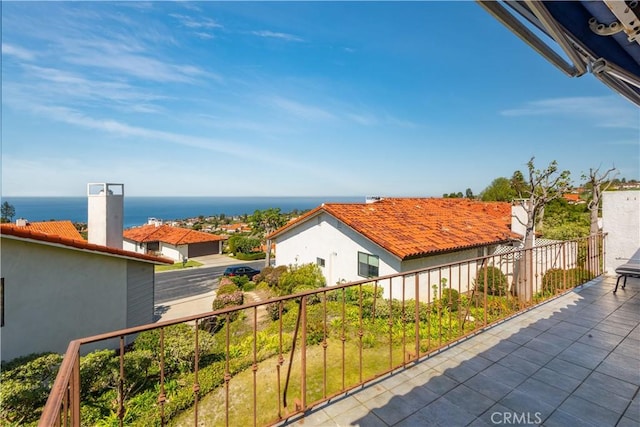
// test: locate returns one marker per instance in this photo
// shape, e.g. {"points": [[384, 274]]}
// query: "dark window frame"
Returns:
{"points": [[366, 268], [320, 262], [153, 246]]}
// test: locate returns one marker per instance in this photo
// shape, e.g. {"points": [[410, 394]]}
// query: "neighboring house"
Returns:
{"points": [[58, 228], [238, 227], [57, 288], [573, 198], [361, 240], [172, 242]]}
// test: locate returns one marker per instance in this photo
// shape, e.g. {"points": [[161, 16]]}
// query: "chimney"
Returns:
{"points": [[21, 222], [519, 217], [105, 214]]}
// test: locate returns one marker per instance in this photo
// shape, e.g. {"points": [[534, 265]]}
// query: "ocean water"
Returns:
{"points": [[137, 210]]}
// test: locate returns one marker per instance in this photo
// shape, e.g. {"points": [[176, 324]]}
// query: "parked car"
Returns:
{"points": [[241, 270]]}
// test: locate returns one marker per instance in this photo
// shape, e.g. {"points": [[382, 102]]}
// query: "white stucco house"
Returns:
{"points": [[172, 242], [355, 241], [57, 288]]}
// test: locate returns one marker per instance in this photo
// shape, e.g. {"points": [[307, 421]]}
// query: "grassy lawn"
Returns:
{"points": [[435, 331], [178, 266], [211, 410]]}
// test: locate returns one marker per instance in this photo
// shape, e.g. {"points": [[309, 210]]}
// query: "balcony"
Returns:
{"points": [[572, 361], [399, 350]]}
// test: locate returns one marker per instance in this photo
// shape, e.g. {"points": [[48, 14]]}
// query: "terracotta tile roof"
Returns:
{"points": [[168, 234], [80, 244], [414, 227], [570, 197], [58, 228]]}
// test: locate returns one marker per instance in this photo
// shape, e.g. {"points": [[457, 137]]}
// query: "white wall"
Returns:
{"points": [[176, 253], [53, 295], [456, 277], [621, 221], [320, 237], [130, 245]]}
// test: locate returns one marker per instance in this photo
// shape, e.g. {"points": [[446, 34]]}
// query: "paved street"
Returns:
{"points": [[178, 284], [190, 291]]}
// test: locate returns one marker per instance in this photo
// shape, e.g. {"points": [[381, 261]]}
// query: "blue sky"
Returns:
{"points": [[289, 99]]}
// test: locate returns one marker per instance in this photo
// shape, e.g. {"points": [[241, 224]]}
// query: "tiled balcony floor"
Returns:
{"points": [[574, 361]]}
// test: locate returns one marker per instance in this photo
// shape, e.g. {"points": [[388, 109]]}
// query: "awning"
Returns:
{"points": [[601, 37]]}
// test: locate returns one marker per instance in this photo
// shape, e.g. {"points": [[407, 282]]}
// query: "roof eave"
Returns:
{"points": [[70, 245], [419, 255]]}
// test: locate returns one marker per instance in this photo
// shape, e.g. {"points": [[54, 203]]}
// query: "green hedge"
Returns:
{"points": [[26, 383], [496, 281], [251, 256]]}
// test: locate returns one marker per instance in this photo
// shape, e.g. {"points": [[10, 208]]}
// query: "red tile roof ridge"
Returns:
{"points": [[410, 226], [22, 233], [169, 234], [64, 228]]}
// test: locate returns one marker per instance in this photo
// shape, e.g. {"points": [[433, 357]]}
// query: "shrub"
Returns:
{"points": [[242, 244], [240, 281], [249, 286], [100, 374], [26, 383], [227, 288], [496, 281], [179, 351], [227, 300], [554, 279], [253, 256], [215, 323], [299, 278], [270, 275], [273, 309], [450, 298]]}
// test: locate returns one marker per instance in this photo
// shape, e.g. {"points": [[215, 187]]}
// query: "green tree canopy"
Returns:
{"points": [[469, 194], [264, 223], [500, 190], [7, 212]]}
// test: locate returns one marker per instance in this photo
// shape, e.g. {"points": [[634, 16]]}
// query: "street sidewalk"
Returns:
{"points": [[184, 307]]}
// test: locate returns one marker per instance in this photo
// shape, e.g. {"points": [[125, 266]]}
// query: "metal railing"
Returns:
{"points": [[264, 362]]}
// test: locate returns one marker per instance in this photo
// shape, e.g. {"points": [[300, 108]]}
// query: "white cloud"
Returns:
{"points": [[51, 85], [73, 117], [606, 111], [140, 66], [275, 35], [18, 52], [301, 110], [196, 23], [205, 36]]}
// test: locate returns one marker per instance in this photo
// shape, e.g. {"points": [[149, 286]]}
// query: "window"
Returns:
{"points": [[368, 265], [320, 262]]}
